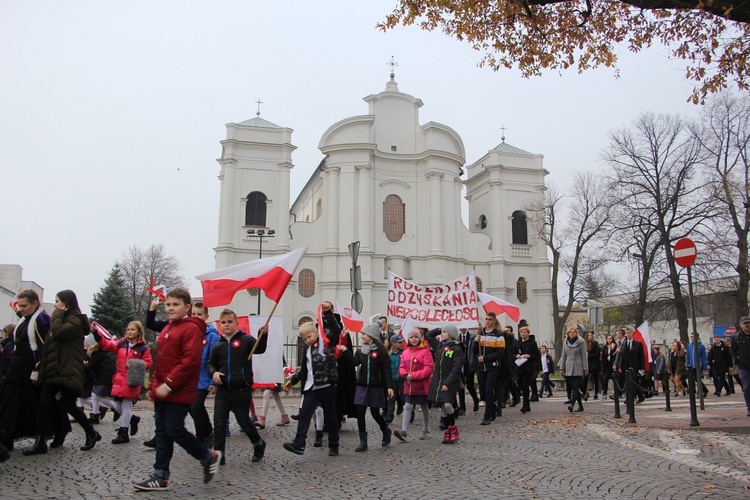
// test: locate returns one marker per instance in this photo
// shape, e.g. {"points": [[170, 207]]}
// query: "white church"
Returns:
{"points": [[394, 185]]}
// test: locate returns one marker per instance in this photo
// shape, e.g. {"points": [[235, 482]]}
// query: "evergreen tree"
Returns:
{"points": [[111, 307]]}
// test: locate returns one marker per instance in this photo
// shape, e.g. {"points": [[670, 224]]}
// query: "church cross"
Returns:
{"points": [[393, 64], [258, 102]]}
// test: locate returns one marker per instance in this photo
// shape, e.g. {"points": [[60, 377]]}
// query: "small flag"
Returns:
{"points": [[14, 301], [102, 331], [643, 336], [373, 319], [406, 330], [499, 306], [351, 318], [271, 275], [160, 290]]}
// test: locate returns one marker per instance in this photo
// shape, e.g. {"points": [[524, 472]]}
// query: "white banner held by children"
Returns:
{"points": [[430, 306]]}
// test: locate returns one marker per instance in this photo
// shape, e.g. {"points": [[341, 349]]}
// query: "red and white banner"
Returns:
{"points": [[102, 331], [430, 306], [499, 306], [643, 336], [351, 318], [271, 275]]}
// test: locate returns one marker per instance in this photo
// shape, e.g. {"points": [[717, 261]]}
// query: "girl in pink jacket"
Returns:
{"points": [[132, 355], [416, 370]]}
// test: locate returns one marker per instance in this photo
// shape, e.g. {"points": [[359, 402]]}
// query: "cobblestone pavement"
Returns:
{"points": [[544, 454]]}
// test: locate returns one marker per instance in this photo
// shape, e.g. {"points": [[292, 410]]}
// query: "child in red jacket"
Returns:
{"points": [[132, 355], [416, 370]]}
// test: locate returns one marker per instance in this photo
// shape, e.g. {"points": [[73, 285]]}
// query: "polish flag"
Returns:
{"points": [[643, 336], [271, 275], [14, 301], [406, 330], [499, 306], [351, 318], [158, 290], [102, 331]]}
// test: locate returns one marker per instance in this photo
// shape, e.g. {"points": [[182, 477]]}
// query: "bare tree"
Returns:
{"points": [[724, 134], [654, 167], [138, 266], [585, 210]]}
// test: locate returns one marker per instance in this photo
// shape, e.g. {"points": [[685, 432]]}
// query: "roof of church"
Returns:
{"points": [[258, 122], [504, 147]]}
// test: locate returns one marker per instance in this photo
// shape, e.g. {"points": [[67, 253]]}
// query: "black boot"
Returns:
{"points": [[318, 439], [386, 436], [94, 418], [91, 440], [134, 425], [39, 447], [122, 436], [58, 441], [362, 442]]}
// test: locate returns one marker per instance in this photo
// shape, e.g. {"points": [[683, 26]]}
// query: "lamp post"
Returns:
{"points": [[260, 234]]}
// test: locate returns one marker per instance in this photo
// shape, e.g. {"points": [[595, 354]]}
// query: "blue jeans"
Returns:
{"points": [[170, 429], [745, 377]]}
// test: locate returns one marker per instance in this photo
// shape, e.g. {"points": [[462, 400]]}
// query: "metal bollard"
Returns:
{"points": [[665, 387], [617, 397]]}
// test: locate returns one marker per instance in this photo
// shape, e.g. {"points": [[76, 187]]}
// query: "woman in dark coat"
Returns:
{"points": [[61, 373], [594, 354]]}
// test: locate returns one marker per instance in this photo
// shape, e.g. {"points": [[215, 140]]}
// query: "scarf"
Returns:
{"points": [[31, 330]]}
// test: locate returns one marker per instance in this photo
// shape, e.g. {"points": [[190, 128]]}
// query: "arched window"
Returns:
{"points": [[394, 218], [522, 290], [518, 227], [482, 224], [318, 208], [305, 319], [255, 209], [479, 283], [306, 283]]}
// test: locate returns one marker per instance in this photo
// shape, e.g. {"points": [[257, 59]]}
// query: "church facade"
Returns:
{"points": [[393, 185]]}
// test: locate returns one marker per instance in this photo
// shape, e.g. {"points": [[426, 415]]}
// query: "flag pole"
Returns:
{"points": [[268, 320]]}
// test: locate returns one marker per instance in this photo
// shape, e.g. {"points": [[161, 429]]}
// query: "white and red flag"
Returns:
{"points": [[499, 306], [271, 275], [406, 329], [14, 301], [351, 318], [158, 290], [643, 336], [102, 331]]}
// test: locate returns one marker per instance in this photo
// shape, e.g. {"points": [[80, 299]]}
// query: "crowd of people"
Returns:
{"points": [[52, 366]]}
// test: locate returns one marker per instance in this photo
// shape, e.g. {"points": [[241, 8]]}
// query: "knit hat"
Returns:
{"points": [[450, 330], [414, 333], [396, 338], [372, 330]]}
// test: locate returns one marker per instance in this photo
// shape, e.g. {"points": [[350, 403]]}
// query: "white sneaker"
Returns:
{"points": [[482, 403]]}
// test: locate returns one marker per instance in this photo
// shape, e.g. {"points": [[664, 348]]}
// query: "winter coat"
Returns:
{"points": [[126, 352], [230, 358], [528, 347], [102, 365], [719, 358], [449, 360], [470, 358], [608, 359], [741, 350], [62, 357], [374, 369], [594, 356], [574, 360], [491, 346], [324, 367], [6, 355], [660, 365], [178, 360], [395, 364], [690, 360], [209, 341], [417, 362], [676, 364]]}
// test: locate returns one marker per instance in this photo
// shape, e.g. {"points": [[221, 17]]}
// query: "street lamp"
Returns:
{"points": [[640, 259], [260, 234]]}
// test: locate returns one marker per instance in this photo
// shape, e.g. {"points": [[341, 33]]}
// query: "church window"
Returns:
{"points": [[482, 224], [519, 230], [255, 209], [522, 290], [394, 218], [479, 283], [318, 208], [306, 283], [305, 319]]}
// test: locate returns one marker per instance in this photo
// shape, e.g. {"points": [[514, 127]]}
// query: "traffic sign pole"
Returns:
{"points": [[685, 252]]}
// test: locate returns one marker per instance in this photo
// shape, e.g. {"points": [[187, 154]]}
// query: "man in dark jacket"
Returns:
{"points": [[232, 372], [719, 360], [633, 360], [741, 352]]}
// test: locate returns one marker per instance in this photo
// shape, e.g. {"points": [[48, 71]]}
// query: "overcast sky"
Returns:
{"points": [[111, 114]]}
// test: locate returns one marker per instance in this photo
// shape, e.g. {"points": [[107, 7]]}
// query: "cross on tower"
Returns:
{"points": [[393, 64], [258, 102], [503, 129]]}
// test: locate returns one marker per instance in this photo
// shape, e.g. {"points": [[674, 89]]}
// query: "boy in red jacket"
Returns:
{"points": [[174, 389]]}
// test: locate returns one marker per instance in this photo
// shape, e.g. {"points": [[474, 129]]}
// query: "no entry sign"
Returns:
{"points": [[685, 252]]}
